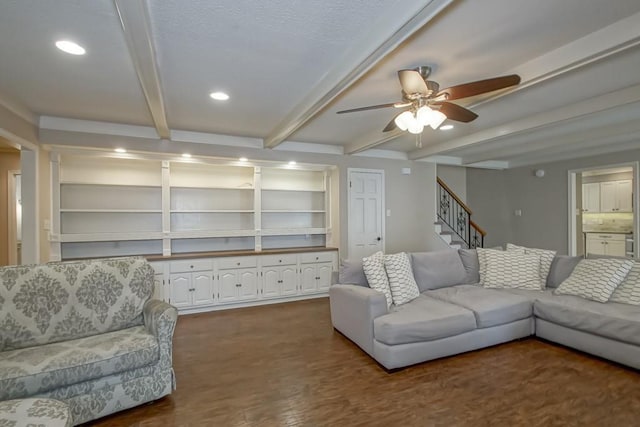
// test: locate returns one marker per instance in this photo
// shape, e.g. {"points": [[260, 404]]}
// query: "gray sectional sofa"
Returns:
{"points": [[85, 333], [454, 314]]}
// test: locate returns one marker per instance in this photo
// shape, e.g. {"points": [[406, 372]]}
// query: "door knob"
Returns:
{"points": [[379, 238]]}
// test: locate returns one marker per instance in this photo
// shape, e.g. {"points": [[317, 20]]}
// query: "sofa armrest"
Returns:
{"points": [[160, 320], [353, 309]]}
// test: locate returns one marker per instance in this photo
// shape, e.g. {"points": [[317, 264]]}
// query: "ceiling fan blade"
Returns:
{"points": [[370, 107], [481, 86], [457, 113], [412, 82], [391, 125]]}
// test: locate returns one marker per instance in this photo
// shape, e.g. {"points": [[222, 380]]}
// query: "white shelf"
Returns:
{"points": [[109, 237], [201, 234], [112, 210], [307, 190], [293, 211], [212, 211], [204, 187], [101, 184], [292, 231]]}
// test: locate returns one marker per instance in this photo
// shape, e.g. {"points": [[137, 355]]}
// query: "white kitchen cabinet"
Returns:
{"points": [[591, 197], [238, 284], [192, 289], [616, 196], [606, 244], [279, 281], [316, 277]]}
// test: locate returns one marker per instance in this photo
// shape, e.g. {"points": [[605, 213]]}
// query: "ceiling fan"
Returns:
{"points": [[426, 105]]}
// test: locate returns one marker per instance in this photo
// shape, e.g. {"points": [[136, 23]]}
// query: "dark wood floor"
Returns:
{"points": [[284, 365]]}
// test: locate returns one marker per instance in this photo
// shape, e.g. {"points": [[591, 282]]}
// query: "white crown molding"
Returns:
{"points": [[89, 126], [18, 109], [383, 154], [608, 41], [359, 57], [443, 160], [490, 164], [308, 147], [215, 139]]}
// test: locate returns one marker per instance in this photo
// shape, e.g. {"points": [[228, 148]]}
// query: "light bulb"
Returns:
{"points": [[404, 120], [424, 115], [437, 117], [415, 127]]}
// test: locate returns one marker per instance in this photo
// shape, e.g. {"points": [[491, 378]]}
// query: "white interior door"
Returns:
{"points": [[366, 212]]}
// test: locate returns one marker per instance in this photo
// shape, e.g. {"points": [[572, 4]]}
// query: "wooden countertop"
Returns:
{"points": [[192, 255]]}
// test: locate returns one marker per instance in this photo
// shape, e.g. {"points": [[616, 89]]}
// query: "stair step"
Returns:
{"points": [[458, 242], [447, 232]]}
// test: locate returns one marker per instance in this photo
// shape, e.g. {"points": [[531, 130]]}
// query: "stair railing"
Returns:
{"points": [[457, 216]]}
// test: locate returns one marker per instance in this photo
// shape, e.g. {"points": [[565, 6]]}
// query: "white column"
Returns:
{"points": [[29, 197]]}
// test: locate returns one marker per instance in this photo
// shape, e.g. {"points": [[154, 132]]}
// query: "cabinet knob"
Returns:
{"points": [[238, 263], [317, 258], [192, 266], [279, 260]]}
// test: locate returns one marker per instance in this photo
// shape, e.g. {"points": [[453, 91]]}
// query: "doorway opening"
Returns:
{"points": [[14, 216], [603, 211]]}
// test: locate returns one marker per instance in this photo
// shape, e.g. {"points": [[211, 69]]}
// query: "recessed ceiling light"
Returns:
{"points": [[120, 150], [243, 159], [446, 127], [186, 155], [219, 96], [292, 162], [70, 47]]}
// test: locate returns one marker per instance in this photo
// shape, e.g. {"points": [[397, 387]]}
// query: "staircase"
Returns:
{"points": [[454, 224]]}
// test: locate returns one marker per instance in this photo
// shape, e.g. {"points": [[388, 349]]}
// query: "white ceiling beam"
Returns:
{"points": [[608, 41], [537, 121], [358, 58], [134, 17]]}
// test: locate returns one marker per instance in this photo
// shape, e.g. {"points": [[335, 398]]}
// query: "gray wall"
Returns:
{"points": [[456, 178], [495, 195], [411, 198]]}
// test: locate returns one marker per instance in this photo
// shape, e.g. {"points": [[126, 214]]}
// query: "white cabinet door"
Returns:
{"points": [[308, 281], [289, 280], [615, 248], [228, 286], [324, 271], [591, 197], [595, 246], [180, 285], [271, 282], [624, 198], [158, 287], [202, 288], [248, 280], [608, 196]]}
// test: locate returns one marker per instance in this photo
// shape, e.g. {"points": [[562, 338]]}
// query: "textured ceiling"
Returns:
{"points": [[271, 56]]}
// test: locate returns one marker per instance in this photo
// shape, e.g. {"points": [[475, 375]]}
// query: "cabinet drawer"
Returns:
{"points": [[270, 260], [604, 236], [158, 267], [237, 262], [192, 265], [316, 257]]}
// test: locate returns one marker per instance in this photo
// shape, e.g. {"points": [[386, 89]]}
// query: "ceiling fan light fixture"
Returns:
{"points": [[423, 115], [404, 120], [436, 119], [416, 127]]}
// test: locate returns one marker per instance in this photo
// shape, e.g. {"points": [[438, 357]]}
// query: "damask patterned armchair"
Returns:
{"points": [[86, 333]]}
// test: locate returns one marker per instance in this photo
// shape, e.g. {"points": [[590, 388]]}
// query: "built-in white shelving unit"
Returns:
{"points": [[109, 205]]}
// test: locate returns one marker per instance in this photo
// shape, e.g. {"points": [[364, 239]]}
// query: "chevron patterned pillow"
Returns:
{"points": [[595, 279], [373, 267], [511, 269], [482, 260], [628, 292], [401, 281], [546, 258]]}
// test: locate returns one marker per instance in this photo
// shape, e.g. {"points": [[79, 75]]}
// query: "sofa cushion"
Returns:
{"points": [[423, 319], [35, 412], [401, 281], [620, 322], [561, 268], [628, 292], [546, 259], [510, 269], [41, 304], [28, 371], [595, 279], [530, 295], [352, 273], [377, 276], [490, 306], [469, 258], [438, 269]]}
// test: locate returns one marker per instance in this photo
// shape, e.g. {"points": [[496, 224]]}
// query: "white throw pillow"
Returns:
{"points": [[546, 258], [595, 279], [401, 281], [373, 267], [482, 261], [512, 270], [628, 292]]}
